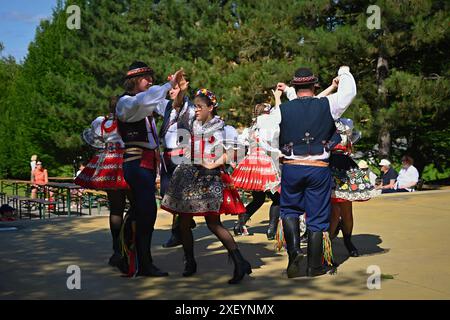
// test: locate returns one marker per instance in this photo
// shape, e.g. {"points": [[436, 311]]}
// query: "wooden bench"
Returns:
{"points": [[100, 197], [42, 205], [18, 201]]}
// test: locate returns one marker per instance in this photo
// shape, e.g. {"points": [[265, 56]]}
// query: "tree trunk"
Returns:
{"points": [[384, 137], [384, 143]]}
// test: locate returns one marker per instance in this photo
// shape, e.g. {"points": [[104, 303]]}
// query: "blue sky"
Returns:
{"points": [[18, 22]]}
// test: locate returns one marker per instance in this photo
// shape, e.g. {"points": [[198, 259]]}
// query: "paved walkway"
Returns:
{"points": [[405, 235]]}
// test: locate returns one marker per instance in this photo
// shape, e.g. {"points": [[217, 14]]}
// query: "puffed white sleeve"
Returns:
{"points": [[135, 108], [290, 93], [93, 135], [346, 91]]}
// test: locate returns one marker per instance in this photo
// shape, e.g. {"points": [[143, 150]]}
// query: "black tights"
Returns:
{"points": [[214, 225], [258, 200], [117, 202]]}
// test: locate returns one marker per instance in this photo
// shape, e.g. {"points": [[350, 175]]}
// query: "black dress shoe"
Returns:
{"points": [[151, 271]]}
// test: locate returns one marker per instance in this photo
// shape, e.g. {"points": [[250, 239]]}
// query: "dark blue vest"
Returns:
{"points": [[134, 134], [306, 126]]}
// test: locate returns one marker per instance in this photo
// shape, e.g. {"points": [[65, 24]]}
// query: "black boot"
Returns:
{"points": [[190, 266], [116, 258], [274, 215], [315, 254], [241, 266], [240, 229], [352, 251], [174, 240], [146, 268], [291, 230]]}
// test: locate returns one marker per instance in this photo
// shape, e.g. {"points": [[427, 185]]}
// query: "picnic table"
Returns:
{"points": [[63, 179], [63, 187], [15, 184]]}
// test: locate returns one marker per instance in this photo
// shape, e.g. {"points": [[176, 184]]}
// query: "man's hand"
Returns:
{"points": [[281, 86]]}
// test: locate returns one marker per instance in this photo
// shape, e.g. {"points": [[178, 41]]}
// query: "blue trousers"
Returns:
{"points": [[307, 189], [142, 184]]}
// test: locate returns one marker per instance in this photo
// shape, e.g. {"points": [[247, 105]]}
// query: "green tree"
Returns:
{"points": [[240, 50]]}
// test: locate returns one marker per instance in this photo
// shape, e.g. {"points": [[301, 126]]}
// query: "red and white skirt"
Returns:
{"points": [[257, 172], [104, 171]]}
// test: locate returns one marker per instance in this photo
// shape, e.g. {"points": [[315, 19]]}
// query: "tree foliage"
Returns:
{"points": [[238, 49]]}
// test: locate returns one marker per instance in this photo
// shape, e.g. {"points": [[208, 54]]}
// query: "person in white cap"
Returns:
{"points": [[389, 177], [372, 176]]}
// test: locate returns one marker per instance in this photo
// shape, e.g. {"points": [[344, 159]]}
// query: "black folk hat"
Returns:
{"points": [[304, 76], [138, 68]]}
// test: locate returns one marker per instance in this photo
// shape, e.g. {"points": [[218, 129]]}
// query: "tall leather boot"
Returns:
{"points": [[241, 266], [352, 251], [146, 268], [291, 230], [315, 254], [274, 215]]}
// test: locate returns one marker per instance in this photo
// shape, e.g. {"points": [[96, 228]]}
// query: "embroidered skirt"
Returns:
{"points": [[349, 182], [198, 191], [104, 171]]}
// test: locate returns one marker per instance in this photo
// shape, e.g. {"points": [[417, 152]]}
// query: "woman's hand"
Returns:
{"points": [[183, 84], [177, 77], [277, 93], [335, 83]]}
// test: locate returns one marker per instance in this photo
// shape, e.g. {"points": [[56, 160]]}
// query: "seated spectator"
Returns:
{"points": [[80, 168], [39, 177], [389, 177], [365, 167], [407, 177], [7, 213]]}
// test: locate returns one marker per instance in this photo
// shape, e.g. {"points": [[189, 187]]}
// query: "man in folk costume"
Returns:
{"points": [[307, 125], [177, 122], [138, 130]]}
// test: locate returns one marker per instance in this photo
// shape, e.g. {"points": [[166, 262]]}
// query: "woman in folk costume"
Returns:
{"points": [[350, 183], [137, 128], [104, 172], [177, 122], [200, 186], [258, 172]]}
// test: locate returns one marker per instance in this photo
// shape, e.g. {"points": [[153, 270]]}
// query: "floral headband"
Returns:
{"points": [[208, 94]]}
